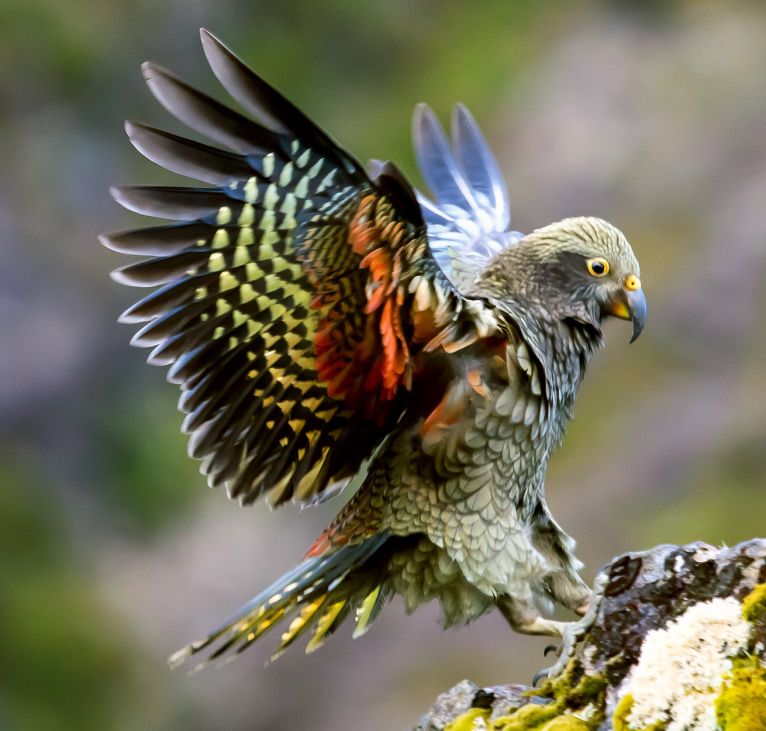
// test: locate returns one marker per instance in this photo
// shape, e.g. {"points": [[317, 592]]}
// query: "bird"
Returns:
{"points": [[333, 329]]}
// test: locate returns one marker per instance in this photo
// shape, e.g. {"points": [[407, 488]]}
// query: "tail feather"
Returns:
{"points": [[369, 609], [319, 593], [328, 623]]}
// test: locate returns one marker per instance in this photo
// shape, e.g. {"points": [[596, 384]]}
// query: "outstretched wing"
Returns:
{"points": [[469, 217], [295, 294]]}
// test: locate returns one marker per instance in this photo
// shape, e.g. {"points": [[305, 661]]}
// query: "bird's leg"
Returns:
{"points": [[573, 632], [524, 617]]}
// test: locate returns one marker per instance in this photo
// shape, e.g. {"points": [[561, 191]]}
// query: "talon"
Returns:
{"points": [[549, 649], [538, 676], [573, 633]]}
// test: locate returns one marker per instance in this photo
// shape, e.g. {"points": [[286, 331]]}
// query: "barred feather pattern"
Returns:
{"points": [[235, 326], [294, 294], [316, 596]]}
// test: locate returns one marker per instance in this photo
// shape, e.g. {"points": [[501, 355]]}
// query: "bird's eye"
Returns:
{"points": [[598, 267]]}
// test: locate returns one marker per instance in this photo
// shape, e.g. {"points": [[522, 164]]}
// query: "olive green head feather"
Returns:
{"points": [[579, 268]]}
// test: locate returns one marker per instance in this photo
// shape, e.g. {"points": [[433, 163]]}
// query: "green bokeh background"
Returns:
{"points": [[112, 552]]}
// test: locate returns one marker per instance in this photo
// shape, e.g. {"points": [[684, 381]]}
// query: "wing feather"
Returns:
{"points": [[173, 203], [478, 166], [294, 295], [186, 157], [469, 215], [205, 115]]}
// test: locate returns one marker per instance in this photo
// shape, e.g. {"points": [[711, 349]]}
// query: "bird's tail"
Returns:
{"points": [[319, 593]]}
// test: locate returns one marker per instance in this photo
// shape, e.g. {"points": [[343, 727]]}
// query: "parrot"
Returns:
{"points": [[333, 328]]}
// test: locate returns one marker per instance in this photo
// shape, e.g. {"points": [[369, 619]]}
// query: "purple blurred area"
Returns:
{"points": [[112, 551]]}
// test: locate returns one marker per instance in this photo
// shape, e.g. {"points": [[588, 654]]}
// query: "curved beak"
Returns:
{"points": [[629, 303]]}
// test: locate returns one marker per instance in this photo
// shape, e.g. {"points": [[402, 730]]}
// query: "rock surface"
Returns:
{"points": [[678, 642]]}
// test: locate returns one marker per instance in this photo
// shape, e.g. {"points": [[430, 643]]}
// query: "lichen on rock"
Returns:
{"points": [[678, 643], [682, 666]]}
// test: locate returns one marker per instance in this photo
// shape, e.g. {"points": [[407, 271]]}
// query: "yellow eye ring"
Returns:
{"points": [[598, 267]]}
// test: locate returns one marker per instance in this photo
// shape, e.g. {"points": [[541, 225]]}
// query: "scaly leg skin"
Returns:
{"points": [[574, 632]]}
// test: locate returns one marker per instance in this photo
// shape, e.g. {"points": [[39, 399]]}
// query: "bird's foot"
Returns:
{"points": [[571, 635]]}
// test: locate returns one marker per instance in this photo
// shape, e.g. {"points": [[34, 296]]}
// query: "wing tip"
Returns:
{"points": [[211, 44], [133, 130], [118, 275], [110, 241], [207, 36], [461, 115], [121, 194], [126, 318], [148, 68], [422, 114]]}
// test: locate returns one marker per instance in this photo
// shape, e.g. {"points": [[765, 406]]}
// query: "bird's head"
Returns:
{"points": [[579, 268]]}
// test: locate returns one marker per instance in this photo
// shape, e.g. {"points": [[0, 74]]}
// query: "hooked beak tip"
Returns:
{"points": [[637, 307], [629, 304]]}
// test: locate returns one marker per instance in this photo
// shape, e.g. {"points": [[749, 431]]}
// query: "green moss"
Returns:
{"points": [[527, 717], [588, 689], [565, 723], [754, 604], [465, 721], [621, 713], [741, 704], [571, 691]]}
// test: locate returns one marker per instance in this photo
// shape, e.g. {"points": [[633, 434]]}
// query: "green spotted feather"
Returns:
{"points": [[233, 317], [259, 268]]}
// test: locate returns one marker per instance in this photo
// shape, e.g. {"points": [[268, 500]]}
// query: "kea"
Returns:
{"points": [[329, 327]]}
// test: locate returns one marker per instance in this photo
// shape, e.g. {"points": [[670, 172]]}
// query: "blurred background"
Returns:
{"points": [[112, 551]]}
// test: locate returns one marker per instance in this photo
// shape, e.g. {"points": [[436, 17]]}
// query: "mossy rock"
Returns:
{"points": [[741, 704]]}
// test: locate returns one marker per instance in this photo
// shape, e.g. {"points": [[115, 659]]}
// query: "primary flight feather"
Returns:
{"points": [[326, 323]]}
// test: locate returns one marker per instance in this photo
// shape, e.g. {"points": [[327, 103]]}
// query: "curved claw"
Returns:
{"points": [[538, 676], [549, 649], [573, 633]]}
